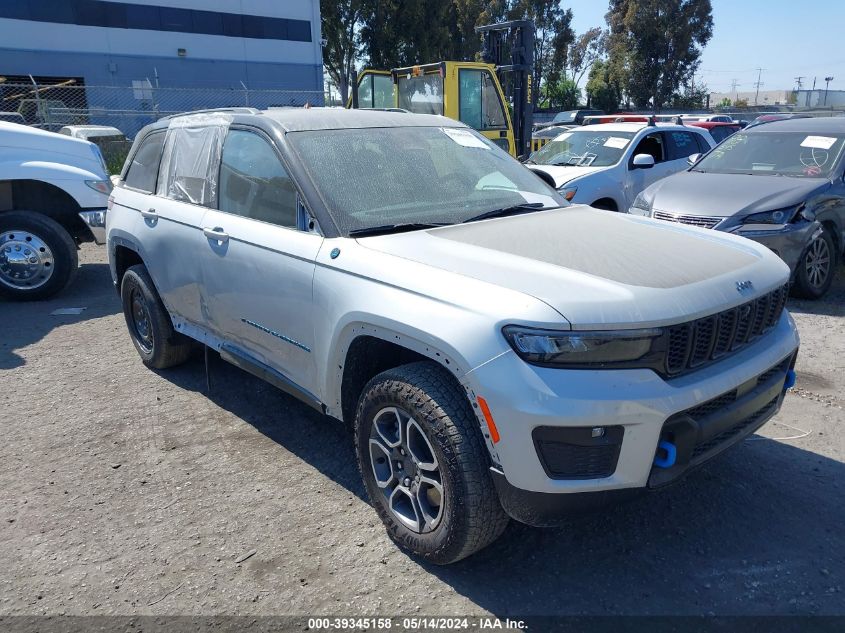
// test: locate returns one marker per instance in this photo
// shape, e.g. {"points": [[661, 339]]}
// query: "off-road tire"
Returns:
{"points": [[472, 516], [165, 347], [65, 257], [803, 286]]}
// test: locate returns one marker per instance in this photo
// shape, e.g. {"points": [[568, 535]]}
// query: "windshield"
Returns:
{"points": [[372, 177], [562, 117], [584, 148], [775, 153]]}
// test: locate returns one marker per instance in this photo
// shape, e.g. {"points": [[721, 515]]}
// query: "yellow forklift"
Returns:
{"points": [[470, 92]]}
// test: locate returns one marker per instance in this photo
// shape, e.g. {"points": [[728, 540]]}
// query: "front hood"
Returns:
{"points": [[726, 195], [596, 268], [562, 174]]}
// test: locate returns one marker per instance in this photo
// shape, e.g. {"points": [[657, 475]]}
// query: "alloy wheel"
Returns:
{"points": [[817, 262], [406, 470]]}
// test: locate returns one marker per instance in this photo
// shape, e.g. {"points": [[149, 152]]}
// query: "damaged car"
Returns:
{"points": [[496, 352], [781, 184]]}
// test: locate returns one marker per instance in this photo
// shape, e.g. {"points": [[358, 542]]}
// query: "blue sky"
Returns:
{"points": [[784, 37]]}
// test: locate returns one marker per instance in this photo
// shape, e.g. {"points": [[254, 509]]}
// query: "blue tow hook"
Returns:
{"points": [[666, 454], [789, 383]]}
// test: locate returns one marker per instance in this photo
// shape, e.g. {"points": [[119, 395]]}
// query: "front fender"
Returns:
{"points": [[69, 178]]}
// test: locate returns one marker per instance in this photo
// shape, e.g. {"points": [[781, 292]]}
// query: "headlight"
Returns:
{"points": [[640, 206], [569, 193], [778, 216], [102, 186], [612, 348]]}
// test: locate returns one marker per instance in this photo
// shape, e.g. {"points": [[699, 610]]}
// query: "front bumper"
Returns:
{"points": [[788, 242], [645, 409], [95, 220]]}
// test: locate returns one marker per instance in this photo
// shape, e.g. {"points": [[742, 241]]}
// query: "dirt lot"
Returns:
{"points": [[126, 491]]}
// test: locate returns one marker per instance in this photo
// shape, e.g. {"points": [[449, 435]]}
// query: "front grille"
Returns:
{"points": [[704, 447], [704, 221], [693, 345]]}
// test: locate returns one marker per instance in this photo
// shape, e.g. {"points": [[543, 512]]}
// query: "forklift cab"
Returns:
{"points": [[469, 92]]}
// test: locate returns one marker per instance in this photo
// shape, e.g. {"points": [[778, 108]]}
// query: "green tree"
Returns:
{"points": [[564, 94], [583, 51], [725, 103], [655, 46], [406, 32], [340, 23], [603, 89], [693, 96]]}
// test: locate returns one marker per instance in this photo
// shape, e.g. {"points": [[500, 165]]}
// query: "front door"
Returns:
{"points": [[653, 144], [258, 266], [374, 89]]}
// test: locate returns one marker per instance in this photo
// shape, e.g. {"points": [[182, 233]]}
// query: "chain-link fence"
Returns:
{"points": [[129, 108]]}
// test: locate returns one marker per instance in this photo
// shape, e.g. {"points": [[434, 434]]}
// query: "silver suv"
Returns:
{"points": [[498, 352]]}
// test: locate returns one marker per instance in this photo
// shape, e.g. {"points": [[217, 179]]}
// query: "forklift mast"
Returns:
{"points": [[509, 46]]}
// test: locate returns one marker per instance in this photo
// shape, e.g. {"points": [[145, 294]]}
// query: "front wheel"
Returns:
{"points": [[424, 464], [817, 267], [38, 257]]}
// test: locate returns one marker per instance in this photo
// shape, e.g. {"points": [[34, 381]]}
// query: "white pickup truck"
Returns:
{"points": [[53, 195]]}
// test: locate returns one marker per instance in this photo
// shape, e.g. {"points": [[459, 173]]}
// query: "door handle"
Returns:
{"points": [[149, 214], [216, 234]]}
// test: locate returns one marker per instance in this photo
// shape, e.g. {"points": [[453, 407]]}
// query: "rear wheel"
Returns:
{"points": [[150, 327], [817, 267], [38, 256], [424, 464]]}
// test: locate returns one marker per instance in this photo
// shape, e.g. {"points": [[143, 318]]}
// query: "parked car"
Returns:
{"points": [[53, 195], [113, 144], [607, 165], [780, 184], [496, 351], [719, 130], [12, 117], [569, 117], [543, 136], [768, 118]]}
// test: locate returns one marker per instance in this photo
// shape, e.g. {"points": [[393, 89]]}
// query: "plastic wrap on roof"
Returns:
{"points": [[191, 154]]}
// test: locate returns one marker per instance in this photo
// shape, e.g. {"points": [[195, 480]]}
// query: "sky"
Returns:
{"points": [[784, 37]]}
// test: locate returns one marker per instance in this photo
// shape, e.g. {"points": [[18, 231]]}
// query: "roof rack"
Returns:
{"points": [[235, 110]]}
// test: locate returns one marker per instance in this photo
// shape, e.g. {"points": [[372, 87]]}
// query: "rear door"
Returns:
{"points": [[259, 260], [168, 225]]}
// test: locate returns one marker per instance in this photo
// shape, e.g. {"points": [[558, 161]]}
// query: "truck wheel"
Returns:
{"points": [[424, 464], [817, 267], [149, 323], [38, 257]]}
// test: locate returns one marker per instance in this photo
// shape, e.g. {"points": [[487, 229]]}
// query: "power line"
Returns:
{"points": [[758, 83]]}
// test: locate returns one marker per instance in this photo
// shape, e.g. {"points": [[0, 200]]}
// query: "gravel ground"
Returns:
{"points": [[127, 491]]}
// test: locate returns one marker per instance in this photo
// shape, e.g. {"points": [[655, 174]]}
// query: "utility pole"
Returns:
{"points": [[758, 84], [734, 84], [798, 82], [827, 81]]}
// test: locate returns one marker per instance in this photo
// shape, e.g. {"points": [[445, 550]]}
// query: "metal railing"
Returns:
{"points": [[129, 108]]}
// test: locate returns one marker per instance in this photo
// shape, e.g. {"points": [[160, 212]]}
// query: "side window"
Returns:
{"points": [[479, 103], [681, 145], [653, 146], [190, 158], [703, 145], [143, 169], [253, 181]]}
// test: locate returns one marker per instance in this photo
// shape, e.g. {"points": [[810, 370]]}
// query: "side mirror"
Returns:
{"points": [[692, 159], [808, 214], [643, 161]]}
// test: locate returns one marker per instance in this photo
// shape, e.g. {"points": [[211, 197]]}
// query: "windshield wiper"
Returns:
{"points": [[511, 210], [393, 228]]}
